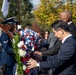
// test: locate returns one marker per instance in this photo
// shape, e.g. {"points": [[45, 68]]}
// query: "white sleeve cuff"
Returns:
{"points": [[38, 65]]}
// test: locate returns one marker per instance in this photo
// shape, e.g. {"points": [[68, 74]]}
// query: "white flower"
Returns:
{"points": [[14, 41], [22, 52], [33, 48], [20, 44], [24, 67]]}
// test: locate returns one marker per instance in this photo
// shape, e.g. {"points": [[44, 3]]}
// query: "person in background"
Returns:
{"points": [[67, 52], [66, 16], [45, 43]]}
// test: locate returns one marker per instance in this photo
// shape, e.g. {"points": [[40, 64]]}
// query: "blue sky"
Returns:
{"points": [[35, 2]]}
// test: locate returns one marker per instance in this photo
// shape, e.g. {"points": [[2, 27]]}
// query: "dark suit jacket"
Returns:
{"points": [[72, 29], [53, 50], [6, 56], [51, 40], [66, 51]]}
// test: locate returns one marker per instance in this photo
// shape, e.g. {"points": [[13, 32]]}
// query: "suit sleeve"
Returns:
{"points": [[55, 61], [52, 39], [72, 29], [54, 50]]}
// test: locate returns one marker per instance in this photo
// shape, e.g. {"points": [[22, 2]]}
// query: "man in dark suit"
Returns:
{"points": [[66, 52], [66, 16], [6, 55]]}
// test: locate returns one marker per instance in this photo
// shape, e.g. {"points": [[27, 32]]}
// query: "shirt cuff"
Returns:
{"points": [[38, 65]]}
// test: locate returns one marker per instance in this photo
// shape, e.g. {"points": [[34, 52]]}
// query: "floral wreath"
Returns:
{"points": [[24, 43]]}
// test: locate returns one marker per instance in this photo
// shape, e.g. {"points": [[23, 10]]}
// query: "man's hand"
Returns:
{"points": [[31, 64], [37, 52]]}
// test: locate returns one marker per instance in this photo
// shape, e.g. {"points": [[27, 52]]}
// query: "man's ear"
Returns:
{"points": [[61, 31]]}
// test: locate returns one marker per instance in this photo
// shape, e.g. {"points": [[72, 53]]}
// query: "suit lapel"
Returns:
{"points": [[69, 38]]}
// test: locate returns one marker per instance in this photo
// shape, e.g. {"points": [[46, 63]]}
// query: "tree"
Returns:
{"points": [[21, 9], [48, 11], [44, 12], [26, 8]]}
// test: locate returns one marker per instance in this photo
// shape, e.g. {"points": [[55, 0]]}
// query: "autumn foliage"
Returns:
{"points": [[48, 11]]}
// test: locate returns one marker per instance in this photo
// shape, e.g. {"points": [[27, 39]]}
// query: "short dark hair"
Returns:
{"points": [[60, 24]]}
